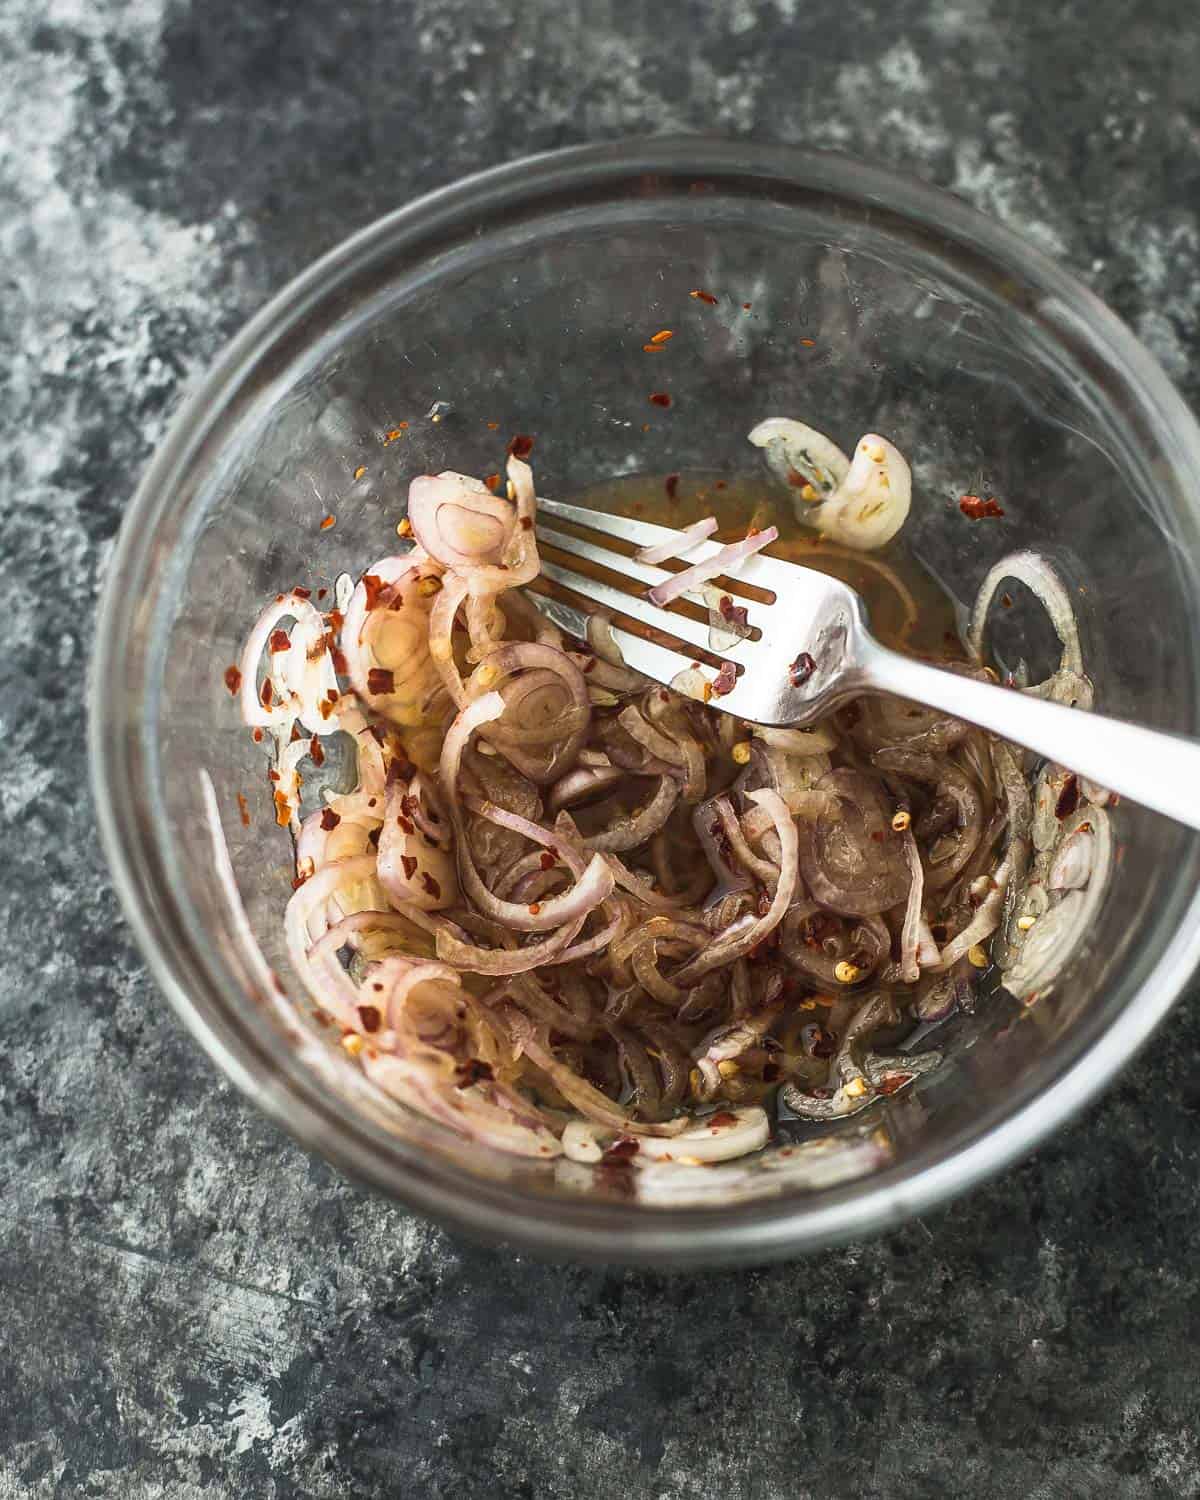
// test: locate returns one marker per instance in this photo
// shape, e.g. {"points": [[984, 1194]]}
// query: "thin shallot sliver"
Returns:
{"points": [[727, 560], [683, 541]]}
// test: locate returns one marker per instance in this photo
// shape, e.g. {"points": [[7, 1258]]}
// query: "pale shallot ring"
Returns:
{"points": [[431, 494], [254, 713], [523, 565], [630, 832], [726, 560], [500, 961], [445, 609], [680, 543]]}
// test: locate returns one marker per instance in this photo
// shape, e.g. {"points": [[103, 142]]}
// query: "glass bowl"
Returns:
{"points": [[849, 296]]}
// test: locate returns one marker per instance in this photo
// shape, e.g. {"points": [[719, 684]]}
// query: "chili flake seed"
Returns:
{"points": [[380, 680], [701, 296], [856, 1088], [429, 585], [846, 973], [1068, 798], [404, 527], [901, 821], [353, 1043], [327, 522], [653, 348], [671, 485], [977, 956], [663, 336], [360, 471], [976, 509], [244, 809], [802, 669], [728, 1068], [233, 680], [809, 343], [521, 446], [1025, 923], [660, 398], [741, 753], [493, 426], [534, 908]]}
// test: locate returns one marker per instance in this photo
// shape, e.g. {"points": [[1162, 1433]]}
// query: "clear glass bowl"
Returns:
{"points": [[522, 298]]}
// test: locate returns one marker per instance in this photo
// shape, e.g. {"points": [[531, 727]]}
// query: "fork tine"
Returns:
{"points": [[643, 533], [763, 572], [658, 662], [683, 627]]}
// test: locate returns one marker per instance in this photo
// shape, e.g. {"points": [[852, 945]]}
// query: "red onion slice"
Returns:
{"points": [[725, 951], [726, 561], [592, 887], [679, 544]]}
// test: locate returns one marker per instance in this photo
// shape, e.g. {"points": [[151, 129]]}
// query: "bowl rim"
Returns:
{"points": [[751, 1232]]}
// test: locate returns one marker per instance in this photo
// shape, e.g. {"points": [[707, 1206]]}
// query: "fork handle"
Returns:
{"points": [[1161, 771]]}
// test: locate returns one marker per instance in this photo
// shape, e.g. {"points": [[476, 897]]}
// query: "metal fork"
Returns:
{"points": [[815, 651]]}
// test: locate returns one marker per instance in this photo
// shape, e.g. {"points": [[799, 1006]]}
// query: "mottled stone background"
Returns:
{"points": [[188, 1305]]}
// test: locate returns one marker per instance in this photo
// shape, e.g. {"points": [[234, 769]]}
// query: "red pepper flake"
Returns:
{"points": [[809, 343], [408, 804], [295, 734], [327, 522], [621, 1152], [473, 1071], [548, 860], [431, 885], [589, 665], [654, 348], [703, 296], [380, 680], [405, 825], [233, 680], [316, 750], [244, 809], [671, 485], [720, 485], [332, 695], [763, 904], [321, 593], [893, 1082], [340, 665], [280, 641], [735, 613], [726, 679], [1068, 798], [257, 736], [534, 908], [802, 669], [825, 1044], [1006, 601], [393, 434], [722, 1117], [283, 810], [299, 880], [521, 445], [410, 866], [493, 482], [358, 474], [976, 509], [370, 1017], [302, 593], [660, 398], [663, 336], [526, 524], [272, 775], [329, 819], [746, 306], [266, 692], [373, 837], [374, 588]]}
